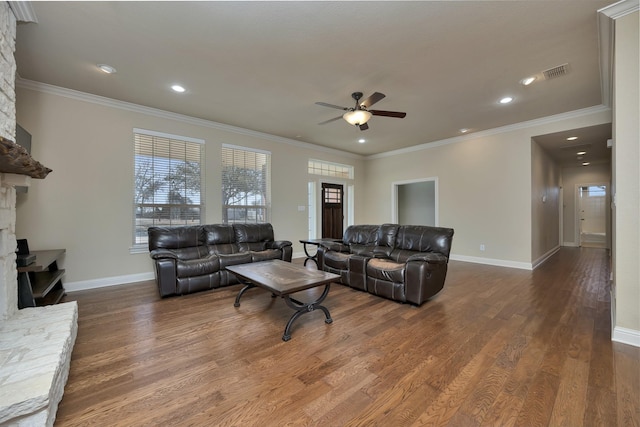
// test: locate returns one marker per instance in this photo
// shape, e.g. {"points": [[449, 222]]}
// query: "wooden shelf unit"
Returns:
{"points": [[40, 283]]}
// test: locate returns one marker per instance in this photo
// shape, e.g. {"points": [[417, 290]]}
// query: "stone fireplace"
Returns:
{"points": [[35, 342]]}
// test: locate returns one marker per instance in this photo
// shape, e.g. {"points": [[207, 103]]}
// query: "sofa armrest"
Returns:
{"points": [[279, 244], [165, 271], [334, 246], [163, 253], [424, 279], [429, 257]]}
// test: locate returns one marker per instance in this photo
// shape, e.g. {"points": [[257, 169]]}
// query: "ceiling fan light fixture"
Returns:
{"points": [[357, 117]]}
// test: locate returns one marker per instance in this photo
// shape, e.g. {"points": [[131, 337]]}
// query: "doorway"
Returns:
{"points": [[592, 216], [332, 209], [415, 202]]}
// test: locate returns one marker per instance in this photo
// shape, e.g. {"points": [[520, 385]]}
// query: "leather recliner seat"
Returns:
{"points": [[193, 258], [406, 263]]}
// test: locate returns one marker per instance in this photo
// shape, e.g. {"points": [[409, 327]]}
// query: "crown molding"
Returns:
{"points": [[495, 131], [136, 108], [620, 9], [23, 11], [606, 17]]}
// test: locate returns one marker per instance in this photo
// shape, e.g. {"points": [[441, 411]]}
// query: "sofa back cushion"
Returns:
{"points": [[360, 238], [253, 237], [422, 238], [360, 235], [175, 237], [385, 240], [220, 238]]}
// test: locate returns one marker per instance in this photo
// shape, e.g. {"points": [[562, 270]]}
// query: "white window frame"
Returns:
{"points": [[249, 211], [158, 141]]}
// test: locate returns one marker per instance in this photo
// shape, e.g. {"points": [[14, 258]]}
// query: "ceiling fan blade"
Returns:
{"points": [[324, 104], [330, 120], [375, 97], [364, 126], [397, 114]]}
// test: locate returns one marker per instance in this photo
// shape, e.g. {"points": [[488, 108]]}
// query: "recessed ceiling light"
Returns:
{"points": [[106, 68], [362, 140], [464, 130], [528, 80], [585, 163], [178, 88], [581, 153], [506, 100], [572, 138]]}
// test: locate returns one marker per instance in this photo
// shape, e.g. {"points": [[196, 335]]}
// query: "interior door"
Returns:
{"points": [[332, 210]]}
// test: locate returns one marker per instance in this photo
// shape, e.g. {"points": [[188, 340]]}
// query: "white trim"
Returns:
{"points": [[620, 9], [537, 263], [394, 197], [167, 135], [492, 261], [626, 336], [23, 11], [84, 285], [128, 106], [570, 244], [495, 131], [243, 148]]}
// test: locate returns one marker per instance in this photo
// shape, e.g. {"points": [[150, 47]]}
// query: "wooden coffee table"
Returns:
{"points": [[283, 279]]}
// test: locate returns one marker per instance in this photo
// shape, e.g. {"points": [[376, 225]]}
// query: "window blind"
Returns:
{"points": [[246, 185], [168, 182]]}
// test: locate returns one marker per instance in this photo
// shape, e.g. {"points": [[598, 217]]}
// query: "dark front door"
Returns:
{"points": [[332, 216]]}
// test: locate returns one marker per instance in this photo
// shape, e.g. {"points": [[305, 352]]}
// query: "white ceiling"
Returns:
{"points": [[263, 65]]}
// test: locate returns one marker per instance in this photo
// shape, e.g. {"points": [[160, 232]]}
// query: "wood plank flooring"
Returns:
{"points": [[497, 347]]}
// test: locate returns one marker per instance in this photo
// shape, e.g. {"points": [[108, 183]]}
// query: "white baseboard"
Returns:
{"points": [[545, 257], [626, 336], [491, 261], [84, 285], [570, 244]]}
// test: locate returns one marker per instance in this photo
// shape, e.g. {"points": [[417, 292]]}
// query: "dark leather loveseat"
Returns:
{"points": [[406, 263], [193, 258]]}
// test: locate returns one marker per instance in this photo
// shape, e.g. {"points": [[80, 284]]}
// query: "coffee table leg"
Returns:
{"points": [[242, 291], [302, 308]]}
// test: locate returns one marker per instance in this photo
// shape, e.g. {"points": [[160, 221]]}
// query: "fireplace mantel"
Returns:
{"points": [[14, 159]]}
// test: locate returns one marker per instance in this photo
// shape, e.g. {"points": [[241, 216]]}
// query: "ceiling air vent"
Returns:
{"points": [[554, 72]]}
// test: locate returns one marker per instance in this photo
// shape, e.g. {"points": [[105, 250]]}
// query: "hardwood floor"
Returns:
{"points": [[497, 347]]}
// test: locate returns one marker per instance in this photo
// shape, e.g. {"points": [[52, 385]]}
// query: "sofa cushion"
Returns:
{"points": [[223, 248], [360, 235], [265, 255], [217, 234], [233, 259], [336, 260], [386, 269], [253, 237], [424, 239], [197, 267], [175, 237]]}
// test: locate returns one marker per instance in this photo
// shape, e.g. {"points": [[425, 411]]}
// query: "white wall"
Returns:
{"points": [[85, 204], [545, 204], [626, 179], [484, 186]]}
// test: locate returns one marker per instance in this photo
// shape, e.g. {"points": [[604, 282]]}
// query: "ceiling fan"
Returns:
{"points": [[360, 114]]}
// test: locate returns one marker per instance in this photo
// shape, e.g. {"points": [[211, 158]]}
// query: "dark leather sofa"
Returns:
{"points": [[193, 258], [406, 263]]}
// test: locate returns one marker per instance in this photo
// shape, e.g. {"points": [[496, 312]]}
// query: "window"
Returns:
{"points": [[168, 182], [319, 167], [246, 185]]}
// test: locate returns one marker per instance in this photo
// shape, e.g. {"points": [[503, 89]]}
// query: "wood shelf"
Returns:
{"points": [[40, 283]]}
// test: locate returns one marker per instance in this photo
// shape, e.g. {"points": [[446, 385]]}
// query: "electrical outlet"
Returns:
{"points": [[482, 247]]}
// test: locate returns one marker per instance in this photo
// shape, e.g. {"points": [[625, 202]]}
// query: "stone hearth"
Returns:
{"points": [[35, 353]]}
